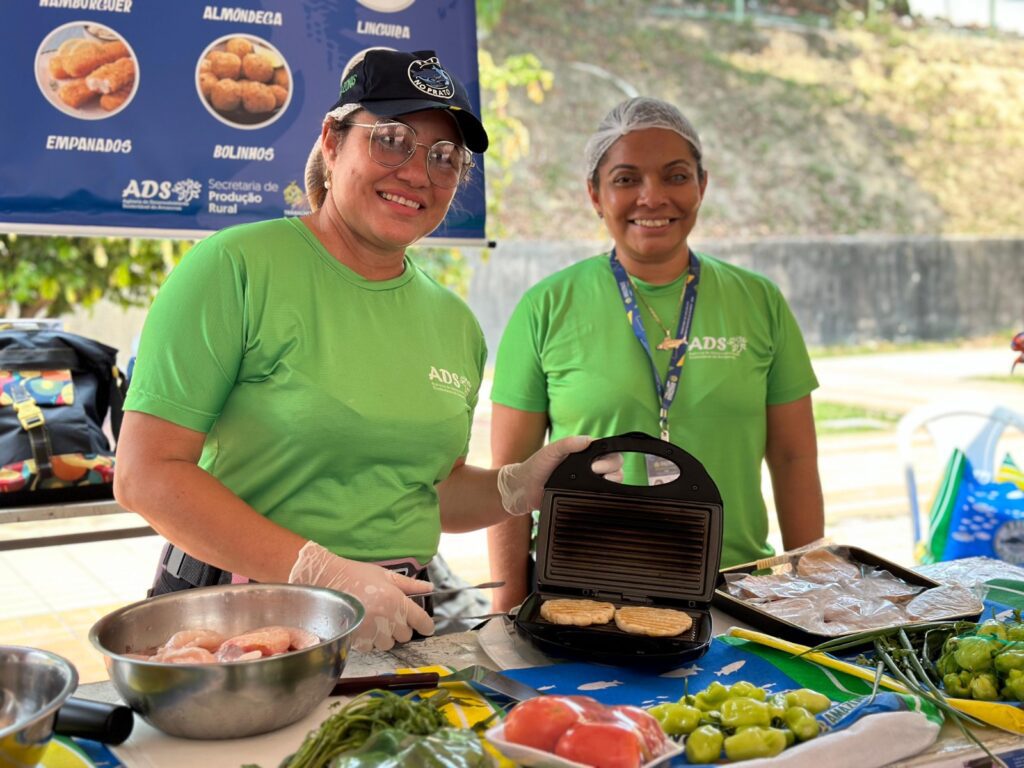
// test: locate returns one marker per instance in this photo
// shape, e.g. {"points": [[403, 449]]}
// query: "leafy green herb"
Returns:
{"points": [[356, 721]]}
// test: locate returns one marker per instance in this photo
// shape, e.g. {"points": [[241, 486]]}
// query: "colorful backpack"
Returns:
{"points": [[56, 391]]}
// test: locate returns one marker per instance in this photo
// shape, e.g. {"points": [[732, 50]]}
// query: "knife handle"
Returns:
{"points": [[347, 686]]}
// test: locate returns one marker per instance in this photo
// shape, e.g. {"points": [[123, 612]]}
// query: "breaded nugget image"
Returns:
{"points": [[111, 101], [257, 97], [280, 95], [258, 67], [70, 45], [75, 93], [56, 67], [281, 77], [89, 56], [225, 65], [113, 76], [238, 46], [226, 94], [579, 613], [206, 82], [206, 66]]}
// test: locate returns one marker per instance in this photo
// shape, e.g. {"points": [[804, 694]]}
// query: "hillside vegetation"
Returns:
{"points": [[806, 131]]}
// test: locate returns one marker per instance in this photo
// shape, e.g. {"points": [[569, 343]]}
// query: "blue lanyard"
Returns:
{"points": [[666, 391]]}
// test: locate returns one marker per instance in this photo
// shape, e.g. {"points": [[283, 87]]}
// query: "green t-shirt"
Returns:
{"points": [[331, 404], [569, 351]]}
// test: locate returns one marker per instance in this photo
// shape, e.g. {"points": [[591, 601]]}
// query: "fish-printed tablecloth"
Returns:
{"points": [[867, 731]]}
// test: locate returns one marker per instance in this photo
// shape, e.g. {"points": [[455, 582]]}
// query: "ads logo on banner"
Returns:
{"points": [[148, 194]]}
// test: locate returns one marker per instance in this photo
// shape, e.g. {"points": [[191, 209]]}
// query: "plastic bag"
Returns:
{"points": [[970, 518], [391, 748]]}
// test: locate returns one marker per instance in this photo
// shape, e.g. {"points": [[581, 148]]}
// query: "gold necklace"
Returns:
{"points": [[667, 343]]}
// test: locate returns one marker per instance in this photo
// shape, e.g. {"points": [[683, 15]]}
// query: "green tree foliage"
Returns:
{"points": [[509, 140], [52, 276]]}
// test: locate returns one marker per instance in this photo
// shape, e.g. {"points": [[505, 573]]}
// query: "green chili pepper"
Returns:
{"points": [[801, 723], [974, 653], [947, 665], [676, 719], [985, 687], [1015, 631], [1007, 660], [742, 711], [747, 690], [955, 687], [711, 697], [993, 628], [1013, 690], [755, 742], [704, 745], [812, 701]]}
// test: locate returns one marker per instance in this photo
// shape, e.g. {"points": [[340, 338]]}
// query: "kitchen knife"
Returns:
{"points": [[497, 682], [350, 686], [455, 590]]}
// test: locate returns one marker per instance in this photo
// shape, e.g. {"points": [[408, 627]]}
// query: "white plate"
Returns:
{"points": [[538, 758]]}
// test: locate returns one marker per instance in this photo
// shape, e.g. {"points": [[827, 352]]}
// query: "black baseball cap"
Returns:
{"points": [[392, 83]]}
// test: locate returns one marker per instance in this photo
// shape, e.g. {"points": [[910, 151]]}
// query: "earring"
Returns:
{"points": [[327, 181]]}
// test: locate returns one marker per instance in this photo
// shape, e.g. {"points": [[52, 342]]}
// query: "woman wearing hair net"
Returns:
{"points": [[303, 394], [598, 348]]}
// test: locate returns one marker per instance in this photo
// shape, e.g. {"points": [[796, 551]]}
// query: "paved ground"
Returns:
{"points": [[50, 597]]}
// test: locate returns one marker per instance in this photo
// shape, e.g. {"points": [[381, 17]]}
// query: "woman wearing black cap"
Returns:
{"points": [[303, 394]]}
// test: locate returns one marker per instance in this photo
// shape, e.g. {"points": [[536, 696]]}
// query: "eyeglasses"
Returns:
{"points": [[393, 144]]}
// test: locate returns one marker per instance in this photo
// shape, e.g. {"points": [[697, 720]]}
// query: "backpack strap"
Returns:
{"points": [[34, 424], [118, 392]]}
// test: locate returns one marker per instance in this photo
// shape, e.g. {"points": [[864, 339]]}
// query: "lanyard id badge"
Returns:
{"points": [[660, 471]]}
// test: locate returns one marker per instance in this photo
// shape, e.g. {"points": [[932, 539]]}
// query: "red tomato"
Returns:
{"points": [[541, 721], [602, 745], [650, 730], [590, 706]]}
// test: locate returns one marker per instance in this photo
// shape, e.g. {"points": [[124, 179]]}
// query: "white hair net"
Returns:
{"points": [[637, 114]]}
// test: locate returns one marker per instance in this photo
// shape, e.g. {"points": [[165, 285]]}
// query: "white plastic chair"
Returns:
{"points": [[975, 430]]}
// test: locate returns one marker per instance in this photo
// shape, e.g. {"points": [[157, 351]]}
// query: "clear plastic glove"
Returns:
{"points": [[522, 485], [390, 615]]}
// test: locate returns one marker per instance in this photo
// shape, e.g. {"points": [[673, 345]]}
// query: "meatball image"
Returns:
{"points": [[226, 94], [206, 82], [224, 64], [243, 81], [280, 95], [257, 97], [258, 67], [238, 46]]}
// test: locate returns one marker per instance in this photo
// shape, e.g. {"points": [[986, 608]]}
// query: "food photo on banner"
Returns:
{"points": [[179, 119]]}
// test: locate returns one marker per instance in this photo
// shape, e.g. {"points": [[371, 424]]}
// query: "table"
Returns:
{"points": [[46, 512], [455, 650]]}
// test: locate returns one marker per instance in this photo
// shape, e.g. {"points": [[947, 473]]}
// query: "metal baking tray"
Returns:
{"points": [[766, 622]]}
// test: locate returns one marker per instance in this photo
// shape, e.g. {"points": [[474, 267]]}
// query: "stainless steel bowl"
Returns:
{"points": [[228, 700], [33, 685]]}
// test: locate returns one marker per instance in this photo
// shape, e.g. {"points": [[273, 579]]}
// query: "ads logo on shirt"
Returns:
{"points": [[716, 347], [446, 381]]}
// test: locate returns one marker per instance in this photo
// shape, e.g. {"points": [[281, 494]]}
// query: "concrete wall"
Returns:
{"points": [[846, 290]]}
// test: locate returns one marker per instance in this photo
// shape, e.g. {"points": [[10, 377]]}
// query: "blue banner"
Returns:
{"points": [[177, 118]]}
